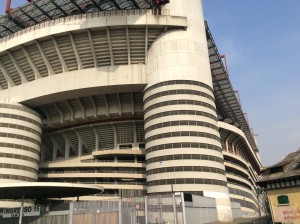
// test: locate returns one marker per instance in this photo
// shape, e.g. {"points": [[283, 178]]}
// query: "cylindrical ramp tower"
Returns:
{"points": [[20, 139], [183, 149]]}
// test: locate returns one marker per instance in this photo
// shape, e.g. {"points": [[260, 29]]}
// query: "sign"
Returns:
{"points": [[161, 164], [291, 214], [27, 211], [137, 206]]}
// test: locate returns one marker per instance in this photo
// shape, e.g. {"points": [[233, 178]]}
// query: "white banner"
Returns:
{"points": [[27, 211]]}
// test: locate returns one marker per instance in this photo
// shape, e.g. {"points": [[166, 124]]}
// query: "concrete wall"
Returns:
{"points": [[202, 209]]}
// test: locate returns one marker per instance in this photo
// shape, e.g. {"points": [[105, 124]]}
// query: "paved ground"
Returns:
{"points": [[244, 221]]}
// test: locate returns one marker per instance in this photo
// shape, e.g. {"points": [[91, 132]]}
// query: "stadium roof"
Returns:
{"points": [[228, 105], [39, 11]]}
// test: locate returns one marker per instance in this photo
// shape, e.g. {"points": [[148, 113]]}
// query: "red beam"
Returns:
{"points": [[238, 96], [8, 3], [246, 116], [224, 56]]}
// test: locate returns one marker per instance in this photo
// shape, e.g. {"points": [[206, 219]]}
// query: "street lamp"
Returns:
{"points": [[258, 192], [174, 205]]}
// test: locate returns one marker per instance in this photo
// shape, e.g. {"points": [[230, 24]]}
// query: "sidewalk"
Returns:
{"points": [[244, 221]]}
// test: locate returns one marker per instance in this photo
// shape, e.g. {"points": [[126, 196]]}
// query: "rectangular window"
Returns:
{"points": [[293, 183], [188, 168], [283, 200]]}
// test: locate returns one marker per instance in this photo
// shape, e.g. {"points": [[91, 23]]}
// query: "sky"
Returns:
{"points": [[261, 41]]}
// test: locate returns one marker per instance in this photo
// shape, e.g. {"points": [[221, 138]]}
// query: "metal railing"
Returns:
{"points": [[111, 161], [91, 171], [110, 183], [227, 161], [233, 174]]}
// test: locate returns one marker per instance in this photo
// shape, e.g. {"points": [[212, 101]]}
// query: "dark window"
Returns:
{"points": [[187, 156], [188, 197], [178, 169], [170, 169], [180, 181], [169, 157], [163, 182], [177, 157], [276, 169], [188, 168], [283, 199], [189, 181]]}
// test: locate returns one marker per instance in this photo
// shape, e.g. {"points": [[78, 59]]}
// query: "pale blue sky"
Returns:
{"points": [[261, 40]]}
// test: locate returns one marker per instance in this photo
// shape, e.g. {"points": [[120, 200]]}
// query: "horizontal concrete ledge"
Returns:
{"points": [[103, 153], [80, 83], [88, 21]]}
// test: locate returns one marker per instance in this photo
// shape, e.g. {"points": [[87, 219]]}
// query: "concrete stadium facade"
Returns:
{"points": [[135, 99]]}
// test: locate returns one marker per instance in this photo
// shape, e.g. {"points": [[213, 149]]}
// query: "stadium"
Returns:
{"points": [[131, 95]]}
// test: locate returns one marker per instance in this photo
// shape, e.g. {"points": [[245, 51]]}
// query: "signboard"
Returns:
{"points": [[27, 211]]}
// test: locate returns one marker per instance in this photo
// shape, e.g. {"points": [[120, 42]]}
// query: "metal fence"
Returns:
{"points": [[151, 209], [137, 210]]}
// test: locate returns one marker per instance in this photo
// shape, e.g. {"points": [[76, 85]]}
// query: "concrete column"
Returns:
{"points": [[20, 134], [179, 92], [120, 210], [20, 138], [71, 212]]}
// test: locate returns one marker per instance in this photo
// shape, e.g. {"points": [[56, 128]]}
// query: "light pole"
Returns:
{"points": [[258, 191], [21, 209], [174, 205]]}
